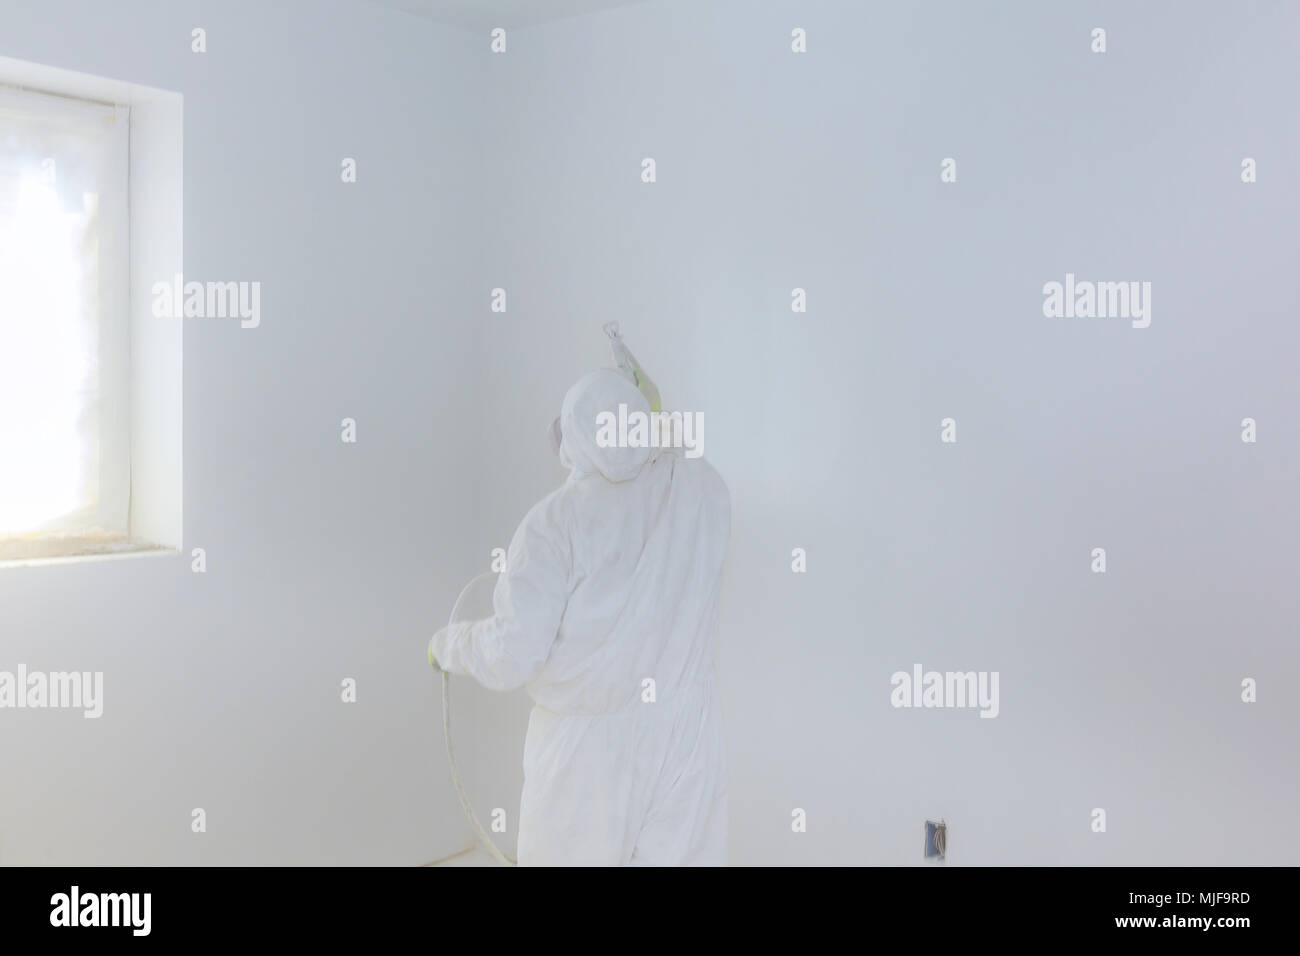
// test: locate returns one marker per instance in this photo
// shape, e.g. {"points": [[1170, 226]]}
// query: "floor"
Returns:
{"points": [[471, 856]]}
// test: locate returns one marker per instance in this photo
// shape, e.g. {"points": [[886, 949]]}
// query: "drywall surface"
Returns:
{"points": [[325, 560], [821, 171]]}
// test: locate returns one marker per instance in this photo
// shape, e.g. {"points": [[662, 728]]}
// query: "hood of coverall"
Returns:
{"points": [[600, 391]]}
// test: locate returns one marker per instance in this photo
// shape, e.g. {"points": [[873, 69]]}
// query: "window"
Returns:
{"points": [[64, 446], [89, 389]]}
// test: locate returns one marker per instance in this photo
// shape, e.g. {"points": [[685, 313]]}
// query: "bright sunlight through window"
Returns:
{"points": [[64, 333], [48, 365]]}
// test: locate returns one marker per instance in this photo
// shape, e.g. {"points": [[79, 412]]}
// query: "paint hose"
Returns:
{"points": [[474, 825]]}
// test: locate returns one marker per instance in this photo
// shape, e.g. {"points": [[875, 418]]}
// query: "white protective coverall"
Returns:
{"points": [[611, 582]]}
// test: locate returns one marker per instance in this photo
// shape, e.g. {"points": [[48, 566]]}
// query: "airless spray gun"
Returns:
{"points": [[627, 362]]}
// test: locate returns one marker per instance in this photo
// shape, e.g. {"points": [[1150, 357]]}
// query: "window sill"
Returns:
{"points": [[63, 548]]}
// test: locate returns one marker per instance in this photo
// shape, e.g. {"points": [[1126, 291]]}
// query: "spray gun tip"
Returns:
{"points": [[611, 329]]}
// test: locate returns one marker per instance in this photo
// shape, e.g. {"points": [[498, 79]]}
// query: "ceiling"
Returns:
{"points": [[485, 14]]}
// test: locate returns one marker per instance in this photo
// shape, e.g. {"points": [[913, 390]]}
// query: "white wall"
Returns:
{"points": [[821, 171], [325, 560]]}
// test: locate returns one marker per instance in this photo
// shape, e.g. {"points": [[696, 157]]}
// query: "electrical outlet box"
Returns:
{"points": [[936, 840]]}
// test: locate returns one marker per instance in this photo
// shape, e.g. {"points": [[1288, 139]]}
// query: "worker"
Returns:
{"points": [[607, 613]]}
